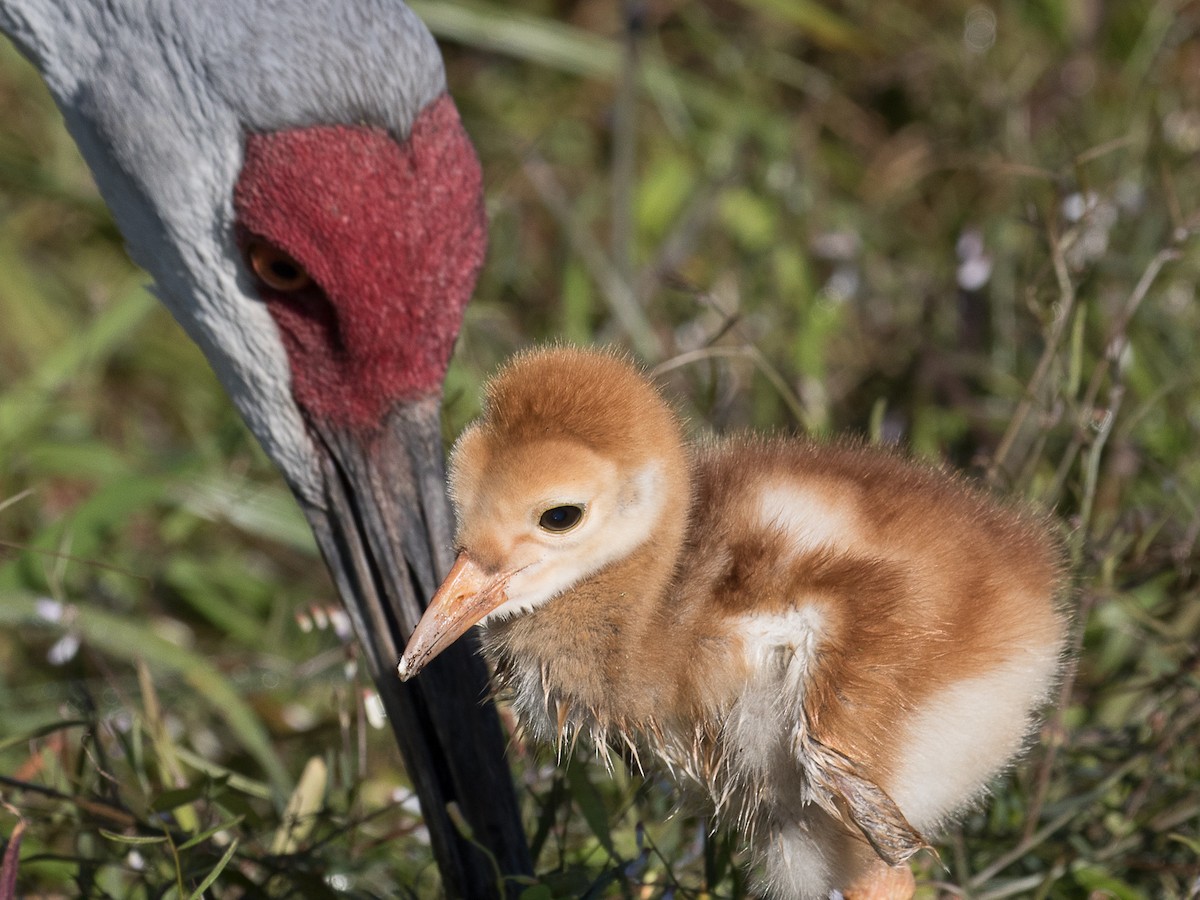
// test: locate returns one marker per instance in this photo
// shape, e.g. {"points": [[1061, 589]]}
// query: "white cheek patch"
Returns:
{"points": [[639, 507], [605, 536], [963, 736], [642, 494], [809, 517], [510, 608]]}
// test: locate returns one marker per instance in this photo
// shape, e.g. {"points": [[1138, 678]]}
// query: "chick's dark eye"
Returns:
{"points": [[561, 518], [275, 268]]}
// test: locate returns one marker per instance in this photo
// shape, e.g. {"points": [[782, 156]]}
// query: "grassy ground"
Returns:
{"points": [[966, 228]]}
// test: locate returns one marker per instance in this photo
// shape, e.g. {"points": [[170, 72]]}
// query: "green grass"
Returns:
{"points": [[765, 202]]}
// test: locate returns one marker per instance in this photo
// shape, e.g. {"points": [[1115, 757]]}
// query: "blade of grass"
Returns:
{"points": [[617, 291], [135, 840], [12, 860], [234, 780], [205, 835], [268, 512], [817, 21], [164, 747], [120, 637], [23, 405], [544, 42], [302, 807], [212, 876]]}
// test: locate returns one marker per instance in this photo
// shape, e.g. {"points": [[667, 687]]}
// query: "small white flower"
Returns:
{"points": [[975, 265], [49, 610], [974, 273], [338, 882], [298, 717], [63, 650], [373, 706], [1076, 205], [340, 621]]}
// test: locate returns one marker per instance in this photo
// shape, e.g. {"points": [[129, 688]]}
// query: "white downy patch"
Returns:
{"points": [[780, 651], [960, 738], [795, 632], [530, 702], [808, 516], [804, 860]]}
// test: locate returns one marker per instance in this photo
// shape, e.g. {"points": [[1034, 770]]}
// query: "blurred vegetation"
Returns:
{"points": [[967, 228]]}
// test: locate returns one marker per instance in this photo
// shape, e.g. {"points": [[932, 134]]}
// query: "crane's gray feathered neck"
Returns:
{"points": [[159, 95]]}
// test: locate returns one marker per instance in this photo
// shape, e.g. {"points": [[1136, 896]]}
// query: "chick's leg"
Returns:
{"points": [[882, 882]]}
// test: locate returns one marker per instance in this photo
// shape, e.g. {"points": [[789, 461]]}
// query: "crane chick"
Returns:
{"points": [[836, 646]]}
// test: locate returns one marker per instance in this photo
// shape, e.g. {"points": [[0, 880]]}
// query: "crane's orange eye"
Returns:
{"points": [[560, 518], [276, 269]]}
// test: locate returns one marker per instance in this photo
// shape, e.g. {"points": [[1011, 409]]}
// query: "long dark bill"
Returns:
{"points": [[386, 535]]}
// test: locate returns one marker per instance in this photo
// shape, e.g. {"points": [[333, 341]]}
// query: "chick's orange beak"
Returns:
{"points": [[466, 596]]}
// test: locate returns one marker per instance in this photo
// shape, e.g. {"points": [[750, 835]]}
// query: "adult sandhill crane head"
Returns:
{"points": [[295, 178]]}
